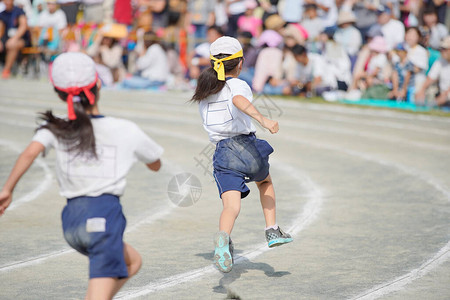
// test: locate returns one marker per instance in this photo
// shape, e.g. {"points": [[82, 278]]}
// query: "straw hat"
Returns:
{"points": [[116, 31], [378, 44], [345, 17], [274, 22]]}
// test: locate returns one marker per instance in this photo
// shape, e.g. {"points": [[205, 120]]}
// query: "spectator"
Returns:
{"points": [[393, 30], [248, 22], [52, 22], [437, 31], [106, 50], [327, 11], [236, 9], [440, 72], [313, 76], [410, 12], [200, 15], [402, 75], [152, 65], [366, 15], [15, 35], [312, 23], [38, 7], [70, 8], [347, 35], [199, 58], [274, 22], [417, 55], [93, 11], [373, 75], [269, 62], [293, 11]]}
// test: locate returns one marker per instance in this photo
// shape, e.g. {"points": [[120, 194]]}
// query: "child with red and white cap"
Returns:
{"points": [[225, 104], [93, 155]]}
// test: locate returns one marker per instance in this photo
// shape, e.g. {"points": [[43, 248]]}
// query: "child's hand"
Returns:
{"points": [[271, 125], [5, 201]]}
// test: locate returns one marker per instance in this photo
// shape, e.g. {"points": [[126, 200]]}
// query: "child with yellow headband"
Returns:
{"points": [[225, 104]]}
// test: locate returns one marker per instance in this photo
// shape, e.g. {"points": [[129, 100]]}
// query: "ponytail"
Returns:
{"points": [[78, 134], [208, 83]]}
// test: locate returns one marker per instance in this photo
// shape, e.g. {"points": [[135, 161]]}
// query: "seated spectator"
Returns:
{"points": [[248, 22], [52, 22], [152, 65], [38, 7], [199, 58], [14, 34], [107, 51], [440, 72], [402, 75], [313, 74], [251, 54], [327, 11], [347, 35], [312, 23], [269, 62], [373, 74], [417, 55], [393, 30], [437, 31]]}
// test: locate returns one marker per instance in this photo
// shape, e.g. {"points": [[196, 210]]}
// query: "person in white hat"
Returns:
{"points": [[347, 35], [93, 155], [225, 104], [439, 72]]}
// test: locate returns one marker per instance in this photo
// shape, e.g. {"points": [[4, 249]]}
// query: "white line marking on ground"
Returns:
{"points": [[309, 213], [40, 188]]}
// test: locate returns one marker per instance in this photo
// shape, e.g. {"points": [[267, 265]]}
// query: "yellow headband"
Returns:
{"points": [[218, 64]]}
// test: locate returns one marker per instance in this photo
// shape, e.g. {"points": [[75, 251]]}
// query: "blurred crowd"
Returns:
{"points": [[338, 49]]}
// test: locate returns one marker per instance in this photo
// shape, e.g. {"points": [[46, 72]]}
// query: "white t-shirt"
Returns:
{"points": [[56, 20], [393, 33], [237, 7], [119, 144], [330, 17], [317, 67], [221, 119], [378, 61], [440, 70], [154, 64]]}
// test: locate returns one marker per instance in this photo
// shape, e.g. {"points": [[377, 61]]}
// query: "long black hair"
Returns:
{"points": [[76, 135], [208, 84]]}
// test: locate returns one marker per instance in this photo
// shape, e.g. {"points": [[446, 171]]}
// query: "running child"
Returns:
{"points": [[93, 155], [226, 109]]}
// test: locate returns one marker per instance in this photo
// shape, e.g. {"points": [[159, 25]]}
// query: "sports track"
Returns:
{"points": [[365, 193]]}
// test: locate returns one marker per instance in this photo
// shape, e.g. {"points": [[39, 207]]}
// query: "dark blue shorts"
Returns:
{"points": [[94, 226], [238, 160]]}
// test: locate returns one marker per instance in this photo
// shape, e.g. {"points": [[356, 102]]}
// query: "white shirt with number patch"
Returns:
{"points": [[119, 143], [221, 119]]}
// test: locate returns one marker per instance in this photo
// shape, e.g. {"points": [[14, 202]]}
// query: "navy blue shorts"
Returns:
{"points": [[238, 160], [94, 226]]}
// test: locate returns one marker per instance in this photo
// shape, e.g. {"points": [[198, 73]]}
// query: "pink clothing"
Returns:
{"points": [[250, 24], [269, 63]]}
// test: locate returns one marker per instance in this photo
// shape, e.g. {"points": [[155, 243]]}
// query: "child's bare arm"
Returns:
{"points": [[154, 166], [247, 107], [23, 163]]}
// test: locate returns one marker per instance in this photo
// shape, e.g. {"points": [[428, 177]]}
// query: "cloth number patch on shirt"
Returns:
{"points": [[218, 113], [96, 225]]}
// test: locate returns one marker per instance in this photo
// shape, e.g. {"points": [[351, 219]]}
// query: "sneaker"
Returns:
{"points": [[277, 237], [223, 254], [6, 74]]}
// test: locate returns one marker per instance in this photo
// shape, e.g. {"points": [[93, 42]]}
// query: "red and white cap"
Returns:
{"points": [[73, 73]]}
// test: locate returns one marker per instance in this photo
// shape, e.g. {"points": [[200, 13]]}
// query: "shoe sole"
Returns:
{"points": [[279, 242], [222, 256]]}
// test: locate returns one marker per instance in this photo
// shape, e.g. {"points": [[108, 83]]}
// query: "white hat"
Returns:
{"points": [[418, 56], [73, 69], [225, 45], [73, 73]]}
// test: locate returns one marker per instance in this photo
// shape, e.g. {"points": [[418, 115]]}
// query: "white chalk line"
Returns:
{"points": [[44, 184], [309, 213], [421, 175], [440, 257]]}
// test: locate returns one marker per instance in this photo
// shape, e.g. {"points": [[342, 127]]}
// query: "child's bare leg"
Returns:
{"points": [[106, 287], [231, 207], [134, 262], [267, 198]]}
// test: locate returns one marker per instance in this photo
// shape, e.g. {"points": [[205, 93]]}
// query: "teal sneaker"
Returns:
{"points": [[277, 237], [223, 254]]}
